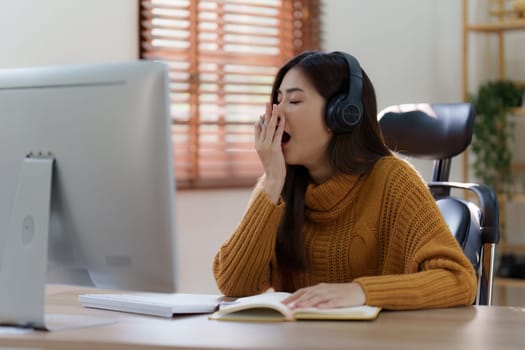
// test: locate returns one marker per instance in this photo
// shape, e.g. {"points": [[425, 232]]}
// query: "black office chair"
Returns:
{"points": [[439, 132]]}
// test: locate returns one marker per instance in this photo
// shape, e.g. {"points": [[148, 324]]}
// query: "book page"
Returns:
{"points": [[344, 313], [265, 314], [261, 307]]}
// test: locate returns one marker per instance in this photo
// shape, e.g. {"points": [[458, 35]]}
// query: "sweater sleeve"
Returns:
{"points": [[242, 265], [423, 265]]}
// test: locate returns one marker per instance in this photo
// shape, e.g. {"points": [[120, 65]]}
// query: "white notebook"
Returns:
{"points": [[155, 304]]}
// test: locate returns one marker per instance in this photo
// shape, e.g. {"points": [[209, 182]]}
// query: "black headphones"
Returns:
{"points": [[344, 111]]}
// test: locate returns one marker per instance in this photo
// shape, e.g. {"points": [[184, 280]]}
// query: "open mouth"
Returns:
{"points": [[286, 138]]}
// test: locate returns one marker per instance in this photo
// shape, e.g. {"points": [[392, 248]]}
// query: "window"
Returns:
{"points": [[222, 57]]}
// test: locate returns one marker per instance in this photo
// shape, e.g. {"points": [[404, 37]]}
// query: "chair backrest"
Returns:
{"points": [[429, 131], [439, 132]]}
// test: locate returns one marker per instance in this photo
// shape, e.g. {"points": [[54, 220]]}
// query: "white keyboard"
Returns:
{"points": [[155, 304]]}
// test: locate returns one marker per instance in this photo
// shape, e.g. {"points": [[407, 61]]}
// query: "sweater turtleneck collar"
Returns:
{"points": [[326, 196]]}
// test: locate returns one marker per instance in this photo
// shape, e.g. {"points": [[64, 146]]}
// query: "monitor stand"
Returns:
{"points": [[23, 262]]}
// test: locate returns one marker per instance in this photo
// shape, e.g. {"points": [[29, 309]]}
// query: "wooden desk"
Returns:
{"points": [[467, 328]]}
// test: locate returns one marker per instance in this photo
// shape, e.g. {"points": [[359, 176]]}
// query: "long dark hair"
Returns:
{"points": [[354, 152]]}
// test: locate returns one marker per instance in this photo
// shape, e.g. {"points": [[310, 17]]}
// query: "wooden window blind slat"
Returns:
{"points": [[222, 57]]}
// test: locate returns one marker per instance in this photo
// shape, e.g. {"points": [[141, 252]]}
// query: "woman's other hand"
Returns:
{"points": [[268, 138], [327, 295]]}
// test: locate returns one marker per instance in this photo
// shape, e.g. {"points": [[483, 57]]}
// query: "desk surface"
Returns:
{"points": [[456, 328]]}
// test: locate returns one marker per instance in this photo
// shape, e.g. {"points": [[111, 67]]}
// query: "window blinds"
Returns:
{"points": [[222, 57]]}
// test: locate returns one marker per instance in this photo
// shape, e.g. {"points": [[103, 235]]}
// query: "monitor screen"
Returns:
{"points": [[108, 128]]}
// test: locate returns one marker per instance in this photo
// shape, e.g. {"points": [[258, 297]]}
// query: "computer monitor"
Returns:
{"points": [[108, 129]]}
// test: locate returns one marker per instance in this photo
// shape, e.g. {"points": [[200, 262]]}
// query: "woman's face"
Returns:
{"points": [[303, 109]]}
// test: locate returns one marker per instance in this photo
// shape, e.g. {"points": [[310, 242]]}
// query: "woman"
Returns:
{"points": [[336, 218]]}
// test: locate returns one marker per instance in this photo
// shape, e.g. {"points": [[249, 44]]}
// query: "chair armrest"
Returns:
{"points": [[488, 206]]}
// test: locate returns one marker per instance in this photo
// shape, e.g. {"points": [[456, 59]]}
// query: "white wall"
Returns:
{"points": [[411, 49], [205, 219], [50, 32]]}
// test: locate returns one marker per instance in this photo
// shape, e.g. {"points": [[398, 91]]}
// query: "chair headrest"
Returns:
{"points": [[430, 131]]}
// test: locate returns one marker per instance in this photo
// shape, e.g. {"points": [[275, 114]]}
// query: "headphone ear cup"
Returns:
{"points": [[341, 115], [350, 116], [344, 111], [333, 109]]}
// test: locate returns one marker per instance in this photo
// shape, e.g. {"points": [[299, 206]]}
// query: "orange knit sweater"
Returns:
{"points": [[382, 230]]}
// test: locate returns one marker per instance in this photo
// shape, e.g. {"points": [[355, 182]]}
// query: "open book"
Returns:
{"points": [[268, 307]]}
